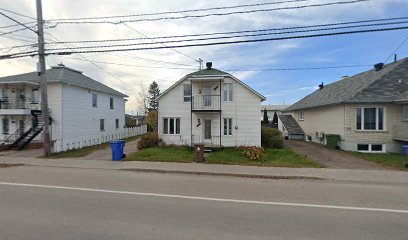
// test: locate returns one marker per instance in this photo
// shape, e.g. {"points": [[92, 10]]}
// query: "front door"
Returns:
{"points": [[207, 130], [21, 127]]}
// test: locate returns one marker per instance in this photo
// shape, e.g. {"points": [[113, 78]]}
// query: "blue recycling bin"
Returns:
{"points": [[405, 147], [117, 147]]}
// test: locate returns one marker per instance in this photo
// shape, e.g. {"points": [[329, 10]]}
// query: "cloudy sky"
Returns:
{"points": [[166, 66]]}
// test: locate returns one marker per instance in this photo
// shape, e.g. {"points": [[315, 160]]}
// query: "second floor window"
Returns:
{"points": [[370, 118], [111, 102], [228, 92], [94, 100], [302, 116], [34, 96], [187, 92]]}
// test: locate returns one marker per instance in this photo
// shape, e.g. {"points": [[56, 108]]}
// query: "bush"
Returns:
{"points": [[150, 139], [253, 153], [271, 138]]}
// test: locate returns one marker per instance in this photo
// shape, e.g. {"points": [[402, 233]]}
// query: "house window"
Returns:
{"points": [[228, 89], [371, 147], [102, 124], [227, 126], [187, 92], [405, 113], [117, 123], [34, 96], [171, 126], [94, 100], [370, 118], [6, 127], [302, 116], [111, 102]]}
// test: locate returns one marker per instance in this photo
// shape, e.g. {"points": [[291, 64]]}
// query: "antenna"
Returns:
{"points": [[200, 61]]}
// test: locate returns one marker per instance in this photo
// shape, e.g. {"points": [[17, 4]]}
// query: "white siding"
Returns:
{"points": [[244, 111], [79, 118]]}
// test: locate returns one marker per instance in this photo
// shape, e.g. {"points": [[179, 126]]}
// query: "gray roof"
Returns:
{"points": [[66, 75], [274, 107], [212, 72], [291, 124], [390, 84]]}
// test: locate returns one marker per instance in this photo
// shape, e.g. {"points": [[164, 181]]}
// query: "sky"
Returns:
{"points": [[163, 66]]}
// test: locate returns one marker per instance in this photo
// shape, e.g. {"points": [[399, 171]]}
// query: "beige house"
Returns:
{"points": [[369, 110]]}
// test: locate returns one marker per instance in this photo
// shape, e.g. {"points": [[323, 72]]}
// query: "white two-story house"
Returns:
{"points": [[211, 107], [79, 106]]}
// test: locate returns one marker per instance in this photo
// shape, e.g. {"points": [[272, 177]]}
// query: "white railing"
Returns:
{"points": [[66, 144]]}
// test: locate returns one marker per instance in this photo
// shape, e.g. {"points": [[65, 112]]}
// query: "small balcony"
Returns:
{"points": [[400, 132], [17, 106], [206, 103]]}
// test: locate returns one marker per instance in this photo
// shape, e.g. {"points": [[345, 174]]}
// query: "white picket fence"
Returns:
{"points": [[66, 144]]}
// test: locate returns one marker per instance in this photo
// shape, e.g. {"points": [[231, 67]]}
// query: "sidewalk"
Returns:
{"points": [[219, 170]]}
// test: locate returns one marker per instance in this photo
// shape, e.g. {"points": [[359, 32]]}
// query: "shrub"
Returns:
{"points": [[271, 138], [253, 153], [150, 139]]}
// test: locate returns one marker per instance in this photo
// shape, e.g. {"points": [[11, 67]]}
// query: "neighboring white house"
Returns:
{"points": [[271, 110], [211, 107], [78, 105], [369, 111]]}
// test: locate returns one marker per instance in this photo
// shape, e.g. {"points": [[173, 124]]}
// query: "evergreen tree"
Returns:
{"points": [[154, 92], [275, 119], [265, 117]]}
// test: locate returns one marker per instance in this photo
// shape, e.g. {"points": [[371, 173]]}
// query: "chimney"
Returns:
{"points": [[321, 86], [378, 66], [209, 65]]}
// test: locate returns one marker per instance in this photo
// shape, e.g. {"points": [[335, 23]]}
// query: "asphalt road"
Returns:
{"points": [[63, 203]]}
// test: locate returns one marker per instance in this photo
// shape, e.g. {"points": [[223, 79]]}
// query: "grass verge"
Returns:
{"points": [[394, 160], [163, 154], [273, 158]]}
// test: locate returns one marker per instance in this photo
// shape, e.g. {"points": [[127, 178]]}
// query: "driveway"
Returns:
{"points": [[106, 154], [330, 158]]}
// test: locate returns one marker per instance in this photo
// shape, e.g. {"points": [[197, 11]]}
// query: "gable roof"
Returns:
{"points": [[212, 72], [273, 107], [62, 74], [390, 84], [291, 125]]}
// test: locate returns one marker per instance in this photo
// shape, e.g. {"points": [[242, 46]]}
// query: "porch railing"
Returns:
{"points": [[206, 102], [214, 141], [18, 103]]}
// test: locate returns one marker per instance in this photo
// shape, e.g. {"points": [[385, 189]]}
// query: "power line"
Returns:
{"points": [[226, 37], [18, 22], [175, 50], [18, 14], [19, 55], [208, 14], [150, 60], [181, 11], [233, 32], [396, 50]]}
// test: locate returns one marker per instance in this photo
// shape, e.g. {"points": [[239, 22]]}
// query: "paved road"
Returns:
{"points": [[62, 203], [331, 158]]}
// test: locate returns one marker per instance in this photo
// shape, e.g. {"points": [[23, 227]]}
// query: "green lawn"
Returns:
{"points": [[76, 153], [231, 156], [394, 160], [273, 158], [163, 154]]}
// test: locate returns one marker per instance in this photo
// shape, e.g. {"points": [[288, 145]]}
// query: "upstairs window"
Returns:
{"points": [[302, 116], [111, 102], [228, 92], [187, 92], [370, 118], [405, 113], [34, 96], [94, 100]]}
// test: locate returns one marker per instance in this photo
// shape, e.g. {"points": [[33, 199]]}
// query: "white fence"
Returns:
{"points": [[66, 144]]}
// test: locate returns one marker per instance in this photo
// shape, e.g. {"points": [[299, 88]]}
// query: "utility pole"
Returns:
{"points": [[43, 81]]}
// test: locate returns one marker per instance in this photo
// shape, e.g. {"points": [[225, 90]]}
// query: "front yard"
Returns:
{"points": [[231, 156], [393, 160]]}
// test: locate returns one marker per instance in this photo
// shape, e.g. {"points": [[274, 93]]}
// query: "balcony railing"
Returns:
{"points": [[206, 103], [400, 132], [17, 103]]}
